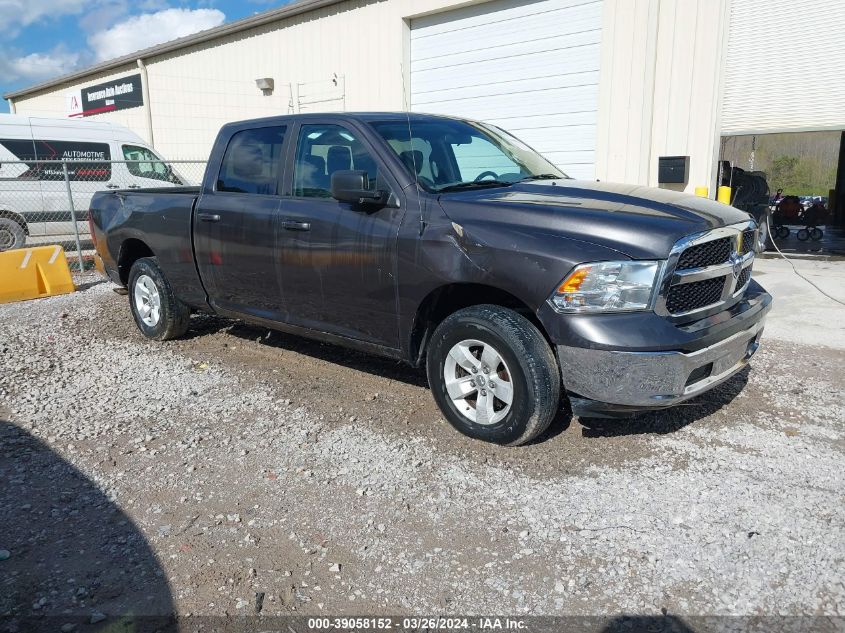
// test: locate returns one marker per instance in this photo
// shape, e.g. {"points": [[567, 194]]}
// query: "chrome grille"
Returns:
{"points": [[744, 278], [686, 297], [707, 272], [748, 237], [707, 254]]}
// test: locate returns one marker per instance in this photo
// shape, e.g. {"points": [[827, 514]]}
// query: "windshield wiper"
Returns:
{"points": [[473, 183], [541, 177]]}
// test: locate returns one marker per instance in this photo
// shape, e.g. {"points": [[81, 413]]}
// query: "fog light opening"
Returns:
{"points": [[699, 373]]}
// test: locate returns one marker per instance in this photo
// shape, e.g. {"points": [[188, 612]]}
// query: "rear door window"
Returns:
{"points": [[252, 162]]}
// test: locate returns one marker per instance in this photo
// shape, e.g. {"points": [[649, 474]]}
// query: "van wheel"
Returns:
{"points": [[493, 375], [12, 234], [157, 312]]}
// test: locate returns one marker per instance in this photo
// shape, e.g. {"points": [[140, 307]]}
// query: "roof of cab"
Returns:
{"points": [[356, 116]]}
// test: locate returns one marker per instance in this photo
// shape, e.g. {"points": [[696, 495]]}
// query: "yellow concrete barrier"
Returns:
{"points": [[702, 192], [31, 273], [724, 195]]}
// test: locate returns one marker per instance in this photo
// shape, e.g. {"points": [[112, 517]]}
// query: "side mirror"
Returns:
{"points": [[351, 186]]}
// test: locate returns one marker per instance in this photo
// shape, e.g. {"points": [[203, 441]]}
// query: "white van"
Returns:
{"points": [[33, 192]]}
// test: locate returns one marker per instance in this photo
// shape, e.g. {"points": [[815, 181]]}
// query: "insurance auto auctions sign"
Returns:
{"points": [[117, 94]]}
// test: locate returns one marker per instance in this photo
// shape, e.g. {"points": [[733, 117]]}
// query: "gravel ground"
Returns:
{"points": [[238, 470]]}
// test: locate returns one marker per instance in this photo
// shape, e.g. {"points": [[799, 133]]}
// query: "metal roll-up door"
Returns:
{"points": [[531, 68], [785, 67]]}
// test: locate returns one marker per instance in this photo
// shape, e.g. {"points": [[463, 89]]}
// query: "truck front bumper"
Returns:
{"points": [[602, 382]]}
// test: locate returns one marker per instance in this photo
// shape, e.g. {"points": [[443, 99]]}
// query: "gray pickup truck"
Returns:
{"points": [[449, 243]]}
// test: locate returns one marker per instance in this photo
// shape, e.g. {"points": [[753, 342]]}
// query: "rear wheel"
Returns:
{"points": [[802, 234], [12, 234], [493, 375], [157, 312], [816, 234]]}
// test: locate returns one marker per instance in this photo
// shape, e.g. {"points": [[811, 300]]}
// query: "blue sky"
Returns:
{"points": [[43, 39]]}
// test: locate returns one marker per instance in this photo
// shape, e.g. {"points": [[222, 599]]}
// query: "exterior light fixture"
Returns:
{"points": [[265, 84]]}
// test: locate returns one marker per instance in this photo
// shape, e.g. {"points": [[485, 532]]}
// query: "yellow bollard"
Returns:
{"points": [[702, 192], [723, 195], [31, 273]]}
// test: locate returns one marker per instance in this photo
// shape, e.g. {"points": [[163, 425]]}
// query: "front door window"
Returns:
{"points": [[323, 150]]}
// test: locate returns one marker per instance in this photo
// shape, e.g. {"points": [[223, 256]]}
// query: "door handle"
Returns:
{"points": [[208, 217], [134, 186], [293, 225], [112, 186]]}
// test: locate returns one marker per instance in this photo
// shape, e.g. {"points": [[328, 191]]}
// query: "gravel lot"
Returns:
{"points": [[238, 468]]}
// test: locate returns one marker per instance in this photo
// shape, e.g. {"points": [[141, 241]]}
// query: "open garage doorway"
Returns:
{"points": [[804, 176]]}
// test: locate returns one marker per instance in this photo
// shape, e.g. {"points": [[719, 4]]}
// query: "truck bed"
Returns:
{"points": [[160, 218]]}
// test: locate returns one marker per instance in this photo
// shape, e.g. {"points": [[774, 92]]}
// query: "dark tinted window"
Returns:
{"points": [[252, 161], [17, 159], [87, 162], [17, 149], [323, 150]]}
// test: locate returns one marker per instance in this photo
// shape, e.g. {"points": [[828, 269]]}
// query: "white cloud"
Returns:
{"points": [[36, 67], [21, 13], [148, 29]]}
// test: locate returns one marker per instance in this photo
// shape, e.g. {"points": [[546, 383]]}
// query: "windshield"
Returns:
{"points": [[448, 155]]}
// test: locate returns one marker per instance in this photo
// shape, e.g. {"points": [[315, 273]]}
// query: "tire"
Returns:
{"points": [[12, 234], [803, 234], [157, 312], [484, 335], [783, 232], [763, 238], [816, 234]]}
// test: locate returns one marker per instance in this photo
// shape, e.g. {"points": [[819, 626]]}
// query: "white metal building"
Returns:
{"points": [[602, 87]]}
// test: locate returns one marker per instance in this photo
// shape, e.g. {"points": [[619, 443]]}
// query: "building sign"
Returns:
{"points": [[73, 104], [117, 94]]}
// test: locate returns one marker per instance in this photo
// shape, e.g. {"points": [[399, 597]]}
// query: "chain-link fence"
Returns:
{"points": [[47, 201]]}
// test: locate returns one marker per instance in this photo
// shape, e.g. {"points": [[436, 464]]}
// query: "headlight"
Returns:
{"points": [[607, 287]]}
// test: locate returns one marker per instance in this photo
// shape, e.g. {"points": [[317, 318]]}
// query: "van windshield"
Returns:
{"points": [[450, 155]]}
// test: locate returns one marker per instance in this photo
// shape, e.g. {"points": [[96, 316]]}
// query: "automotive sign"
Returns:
{"points": [[37, 160], [118, 94]]}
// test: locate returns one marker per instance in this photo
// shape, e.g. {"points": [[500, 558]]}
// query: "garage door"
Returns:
{"points": [[784, 69], [531, 68]]}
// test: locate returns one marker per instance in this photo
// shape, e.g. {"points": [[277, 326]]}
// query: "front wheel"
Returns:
{"points": [[156, 310], [12, 234], [493, 375], [803, 235], [816, 234]]}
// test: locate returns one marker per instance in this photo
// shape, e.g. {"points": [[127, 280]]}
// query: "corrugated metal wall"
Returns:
{"points": [[661, 70], [785, 66]]}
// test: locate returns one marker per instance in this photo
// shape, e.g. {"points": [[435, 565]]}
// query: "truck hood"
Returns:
{"points": [[640, 222]]}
